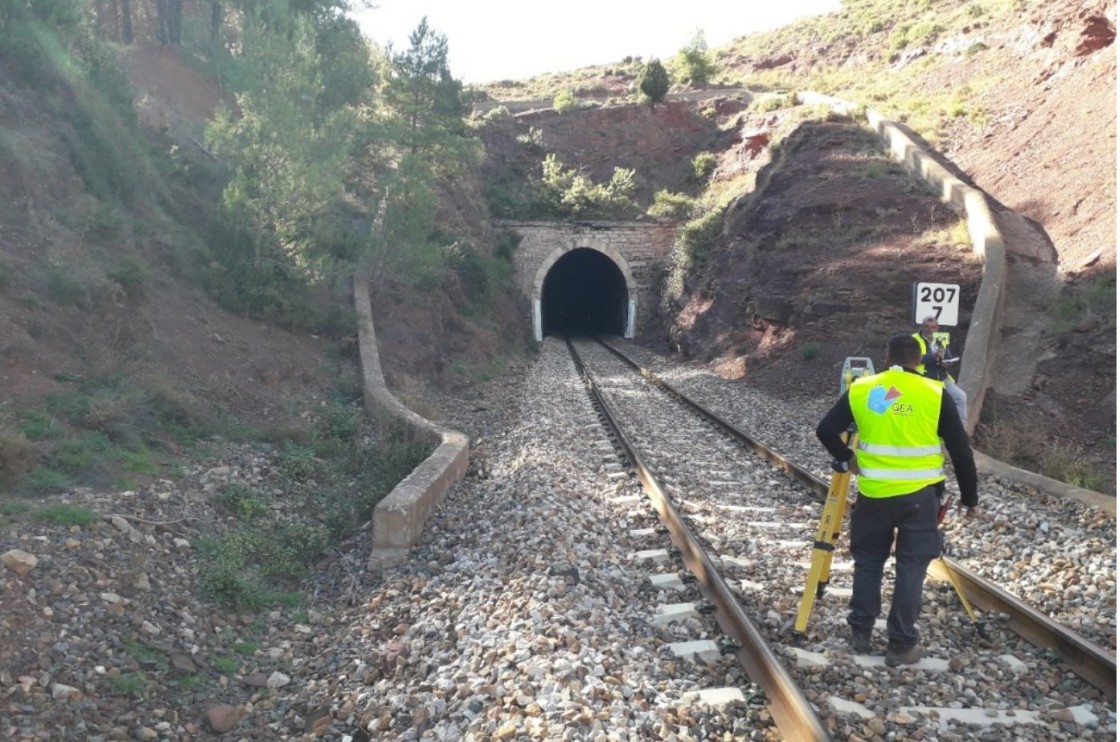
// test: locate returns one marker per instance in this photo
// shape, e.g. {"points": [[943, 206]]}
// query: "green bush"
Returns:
{"points": [[670, 206], [139, 461], [342, 422], [105, 225], [653, 81], [34, 52], [65, 289], [693, 64], [703, 165], [691, 248], [765, 104], [18, 455], [698, 237], [565, 101], [298, 463], [508, 242], [566, 192], [245, 502], [226, 578], [133, 275], [915, 34], [473, 274], [1081, 301]]}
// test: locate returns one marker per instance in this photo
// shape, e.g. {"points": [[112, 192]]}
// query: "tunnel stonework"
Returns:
{"points": [[639, 250]]}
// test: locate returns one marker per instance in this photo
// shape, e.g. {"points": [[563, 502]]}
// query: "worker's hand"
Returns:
{"points": [[846, 467]]}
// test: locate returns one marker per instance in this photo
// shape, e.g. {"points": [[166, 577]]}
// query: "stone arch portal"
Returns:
{"points": [[582, 290]]}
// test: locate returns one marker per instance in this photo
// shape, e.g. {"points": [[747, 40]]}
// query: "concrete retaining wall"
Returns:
{"points": [[983, 330], [399, 518]]}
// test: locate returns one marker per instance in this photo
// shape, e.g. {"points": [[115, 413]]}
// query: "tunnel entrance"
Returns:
{"points": [[584, 292]]}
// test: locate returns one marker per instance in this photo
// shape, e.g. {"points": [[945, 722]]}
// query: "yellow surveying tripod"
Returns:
{"points": [[835, 505]]}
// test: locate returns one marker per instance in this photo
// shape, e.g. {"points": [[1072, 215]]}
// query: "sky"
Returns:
{"points": [[491, 40]]}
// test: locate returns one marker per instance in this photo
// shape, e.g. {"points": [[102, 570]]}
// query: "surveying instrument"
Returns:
{"points": [[836, 506]]}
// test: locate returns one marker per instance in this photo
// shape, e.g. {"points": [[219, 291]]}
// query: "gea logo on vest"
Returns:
{"points": [[881, 400]]}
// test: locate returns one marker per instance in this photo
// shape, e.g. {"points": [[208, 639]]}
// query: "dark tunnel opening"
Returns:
{"points": [[583, 293]]}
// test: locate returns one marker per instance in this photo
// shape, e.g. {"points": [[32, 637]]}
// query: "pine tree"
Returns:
{"points": [[653, 81]]}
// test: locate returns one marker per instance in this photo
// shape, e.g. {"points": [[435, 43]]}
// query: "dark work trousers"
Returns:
{"points": [[875, 522]]}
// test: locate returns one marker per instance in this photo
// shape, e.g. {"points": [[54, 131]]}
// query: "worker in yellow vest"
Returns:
{"points": [[901, 418], [933, 346]]}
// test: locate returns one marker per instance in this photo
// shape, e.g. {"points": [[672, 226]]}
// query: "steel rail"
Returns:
{"points": [[1092, 663], [789, 708]]}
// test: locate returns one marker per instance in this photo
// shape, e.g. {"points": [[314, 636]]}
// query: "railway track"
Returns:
{"points": [[750, 522]]}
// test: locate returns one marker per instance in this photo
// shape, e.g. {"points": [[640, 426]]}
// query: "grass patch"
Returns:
{"points": [[145, 654], [1028, 447], [43, 480], [100, 431], [129, 683], [1094, 300], [10, 507], [246, 648], [38, 426], [1067, 464], [190, 682], [63, 514], [324, 500], [225, 665]]}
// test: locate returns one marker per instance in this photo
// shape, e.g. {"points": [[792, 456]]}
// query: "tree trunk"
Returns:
{"points": [[100, 18], [215, 23], [126, 21], [175, 21], [161, 21]]}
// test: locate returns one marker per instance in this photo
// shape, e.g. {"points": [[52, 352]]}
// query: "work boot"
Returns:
{"points": [[861, 641], [902, 656]]}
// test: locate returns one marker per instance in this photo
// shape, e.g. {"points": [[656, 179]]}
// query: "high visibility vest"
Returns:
{"points": [[924, 348], [896, 414]]}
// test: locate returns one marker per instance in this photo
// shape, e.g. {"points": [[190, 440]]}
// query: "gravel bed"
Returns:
{"points": [[522, 614], [758, 525], [1057, 554]]}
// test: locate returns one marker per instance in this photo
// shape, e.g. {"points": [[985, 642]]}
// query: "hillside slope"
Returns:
{"points": [[1032, 123]]}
